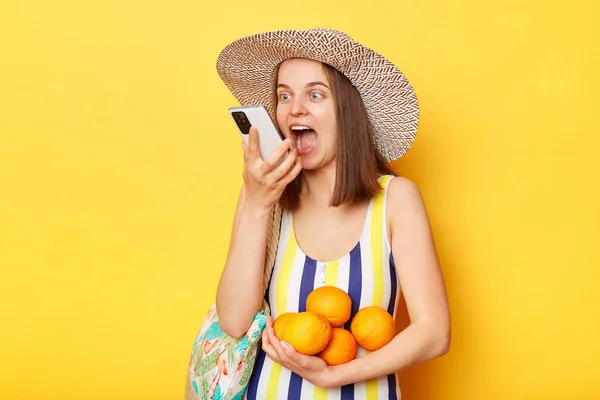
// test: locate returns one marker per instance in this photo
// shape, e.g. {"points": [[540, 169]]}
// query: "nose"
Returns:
{"points": [[298, 107]]}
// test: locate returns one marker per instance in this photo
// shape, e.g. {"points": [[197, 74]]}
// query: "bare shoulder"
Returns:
{"points": [[403, 192], [405, 206], [399, 183]]}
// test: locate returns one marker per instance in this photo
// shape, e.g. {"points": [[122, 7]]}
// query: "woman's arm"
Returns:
{"points": [[420, 276], [242, 277], [240, 290]]}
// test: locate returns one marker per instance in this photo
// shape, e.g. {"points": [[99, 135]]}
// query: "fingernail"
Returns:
{"points": [[284, 345]]}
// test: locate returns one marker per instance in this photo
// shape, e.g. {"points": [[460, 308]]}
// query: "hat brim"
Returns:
{"points": [[247, 67]]}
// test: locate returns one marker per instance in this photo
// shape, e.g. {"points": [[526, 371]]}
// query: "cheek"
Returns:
{"points": [[327, 123], [332, 128], [328, 116], [280, 115]]}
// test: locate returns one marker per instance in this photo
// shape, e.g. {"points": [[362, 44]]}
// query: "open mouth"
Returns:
{"points": [[305, 138]]}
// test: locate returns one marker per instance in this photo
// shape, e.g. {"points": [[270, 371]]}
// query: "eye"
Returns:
{"points": [[284, 96], [316, 96]]}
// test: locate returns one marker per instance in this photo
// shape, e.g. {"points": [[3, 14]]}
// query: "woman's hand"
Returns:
{"points": [[311, 368], [264, 183]]}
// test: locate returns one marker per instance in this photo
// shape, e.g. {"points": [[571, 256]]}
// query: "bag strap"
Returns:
{"points": [[272, 243]]}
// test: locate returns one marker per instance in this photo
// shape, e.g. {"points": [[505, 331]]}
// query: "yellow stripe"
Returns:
{"points": [[274, 380], [377, 243], [372, 389], [331, 273], [284, 274], [320, 393], [377, 258], [281, 302]]}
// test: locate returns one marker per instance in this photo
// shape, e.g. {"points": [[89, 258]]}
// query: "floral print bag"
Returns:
{"points": [[220, 365]]}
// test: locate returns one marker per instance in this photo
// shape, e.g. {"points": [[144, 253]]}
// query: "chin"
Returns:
{"points": [[311, 163], [308, 165]]}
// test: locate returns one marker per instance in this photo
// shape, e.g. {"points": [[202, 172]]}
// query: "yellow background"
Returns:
{"points": [[119, 169]]}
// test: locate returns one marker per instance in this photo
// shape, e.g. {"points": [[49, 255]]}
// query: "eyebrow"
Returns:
{"points": [[310, 84]]}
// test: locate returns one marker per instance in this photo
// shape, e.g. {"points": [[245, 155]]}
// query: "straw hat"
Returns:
{"points": [[247, 67]]}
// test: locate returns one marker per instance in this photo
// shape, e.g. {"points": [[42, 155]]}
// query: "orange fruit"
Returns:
{"points": [[332, 303], [280, 322], [373, 327], [307, 332], [341, 349]]}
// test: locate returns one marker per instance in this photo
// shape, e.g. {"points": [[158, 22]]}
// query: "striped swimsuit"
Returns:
{"points": [[366, 273]]}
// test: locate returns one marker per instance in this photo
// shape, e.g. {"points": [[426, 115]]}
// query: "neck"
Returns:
{"points": [[318, 186]]}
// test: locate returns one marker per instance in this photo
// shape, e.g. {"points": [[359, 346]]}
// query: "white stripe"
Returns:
{"points": [[319, 276], [387, 250], [386, 237], [384, 391], [334, 394], [284, 383], [263, 382], [343, 280], [307, 392], [387, 284], [283, 239], [367, 227], [293, 289], [360, 390], [361, 352], [366, 295], [397, 299], [366, 262]]}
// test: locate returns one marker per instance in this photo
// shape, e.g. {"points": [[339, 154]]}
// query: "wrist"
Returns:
{"points": [[259, 212]]}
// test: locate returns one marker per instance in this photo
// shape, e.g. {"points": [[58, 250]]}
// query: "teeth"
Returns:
{"points": [[299, 128]]}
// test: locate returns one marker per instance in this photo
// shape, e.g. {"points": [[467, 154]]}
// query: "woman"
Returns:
{"points": [[347, 222]]}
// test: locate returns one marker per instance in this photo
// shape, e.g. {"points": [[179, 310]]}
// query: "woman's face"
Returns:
{"points": [[306, 111]]}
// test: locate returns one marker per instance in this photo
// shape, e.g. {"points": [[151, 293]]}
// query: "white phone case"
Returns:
{"points": [[258, 117]]}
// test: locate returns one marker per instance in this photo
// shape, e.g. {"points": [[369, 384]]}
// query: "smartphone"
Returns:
{"points": [[258, 116]]}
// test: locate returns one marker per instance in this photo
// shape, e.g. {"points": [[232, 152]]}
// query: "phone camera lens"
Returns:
{"points": [[241, 121]]}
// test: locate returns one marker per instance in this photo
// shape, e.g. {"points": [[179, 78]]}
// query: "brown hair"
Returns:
{"points": [[359, 165]]}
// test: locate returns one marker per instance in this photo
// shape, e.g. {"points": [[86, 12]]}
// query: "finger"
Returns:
{"points": [[269, 332], [293, 173], [275, 344], [267, 348], [286, 165], [288, 350], [283, 147], [293, 357], [272, 355], [245, 150], [267, 337], [253, 146], [266, 167]]}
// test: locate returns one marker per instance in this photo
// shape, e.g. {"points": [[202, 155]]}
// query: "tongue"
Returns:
{"points": [[308, 140]]}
